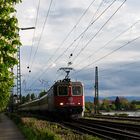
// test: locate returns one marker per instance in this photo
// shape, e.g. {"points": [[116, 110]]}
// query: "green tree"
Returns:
{"points": [[32, 96], [23, 99], [113, 107], [9, 40], [42, 93], [105, 105], [125, 105], [28, 98], [89, 106], [118, 103]]}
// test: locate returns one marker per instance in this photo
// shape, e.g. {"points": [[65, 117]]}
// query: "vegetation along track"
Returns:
{"points": [[106, 130]]}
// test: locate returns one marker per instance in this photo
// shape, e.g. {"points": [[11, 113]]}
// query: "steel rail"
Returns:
{"points": [[83, 129], [134, 119], [122, 125], [102, 130], [118, 130]]}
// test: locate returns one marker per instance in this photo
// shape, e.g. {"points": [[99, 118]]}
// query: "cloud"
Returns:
{"points": [[115, 76]]}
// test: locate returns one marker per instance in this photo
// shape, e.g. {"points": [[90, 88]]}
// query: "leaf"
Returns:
{"points": [[9, 39]]}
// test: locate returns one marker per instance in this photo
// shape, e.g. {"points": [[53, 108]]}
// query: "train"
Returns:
{"points": [[64, 98]]}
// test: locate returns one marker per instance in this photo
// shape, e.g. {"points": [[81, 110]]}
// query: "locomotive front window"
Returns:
{"points": [[76, 90], [62, 90]]}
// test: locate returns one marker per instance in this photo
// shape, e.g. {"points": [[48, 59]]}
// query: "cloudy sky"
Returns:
{"points": [[87, 33]]}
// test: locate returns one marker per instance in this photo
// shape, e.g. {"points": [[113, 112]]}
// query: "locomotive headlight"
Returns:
{"points": [[78, 103], [61, 103]]}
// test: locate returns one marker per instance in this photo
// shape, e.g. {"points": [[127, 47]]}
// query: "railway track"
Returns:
{"points": [[105, 130], [122, 125], [133, 119]]}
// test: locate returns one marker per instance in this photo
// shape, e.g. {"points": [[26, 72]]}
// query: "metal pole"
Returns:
{"points": [[96, 99], [19, 67], [11, 97], [18, 74]]}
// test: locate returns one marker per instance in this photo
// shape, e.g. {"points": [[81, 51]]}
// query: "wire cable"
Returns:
{"points": [[100, 5], [98, 31], [33, 39], [104, 46], [83, 32], [109, 54], [79, 35], [75, 40], [69, 33], [120, 70], [42, 31]]}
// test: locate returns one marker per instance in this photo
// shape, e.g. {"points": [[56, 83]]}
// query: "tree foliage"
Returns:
{"points": [[105, 105], [42, 93], [9, 40], [32, 96], [120, 103], [89, 106], [28, 97], [23, 99]]}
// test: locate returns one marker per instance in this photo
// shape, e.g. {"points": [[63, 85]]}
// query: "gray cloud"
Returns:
{"points": [[115, 76]]}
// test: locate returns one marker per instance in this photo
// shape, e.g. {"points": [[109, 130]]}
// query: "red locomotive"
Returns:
{"points": [[64, 97]]}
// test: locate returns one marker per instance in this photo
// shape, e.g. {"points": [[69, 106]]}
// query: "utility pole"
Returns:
{"points": [[18, 74], [96, 98], [19, 67], [11, 104]]}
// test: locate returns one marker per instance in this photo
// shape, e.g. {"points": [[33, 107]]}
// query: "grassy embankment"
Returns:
{"points": [[35, 129]]}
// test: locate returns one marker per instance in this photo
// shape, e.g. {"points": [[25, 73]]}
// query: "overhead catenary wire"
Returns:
{"points": [[69, 46], [30, 52], [100, 5], [69, 33], [33, 39], [94, 52], [79, 35], [42, 31], [98, 31], [104, 46], [74, 41], [120, 67], [108, 54], [120, 70]]}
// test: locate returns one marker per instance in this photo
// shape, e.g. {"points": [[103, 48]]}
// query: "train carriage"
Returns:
{"points": [[64, 97]]}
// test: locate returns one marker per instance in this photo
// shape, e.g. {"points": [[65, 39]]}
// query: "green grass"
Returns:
{"points": [[35, 129]]}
